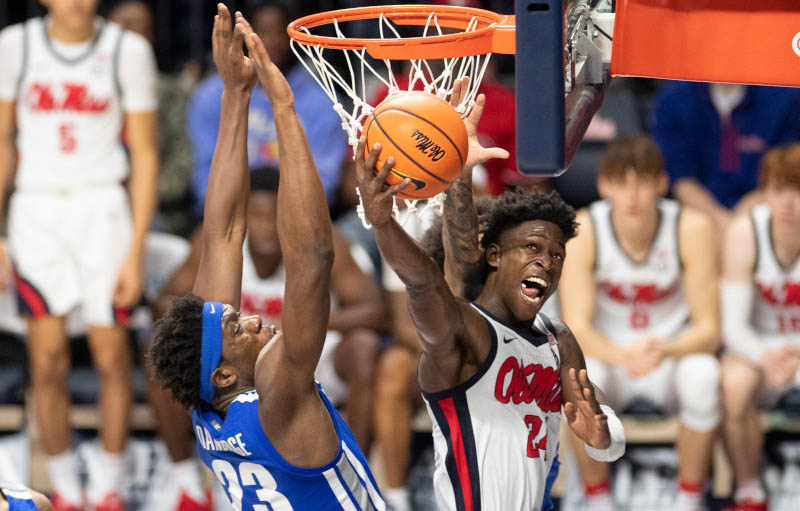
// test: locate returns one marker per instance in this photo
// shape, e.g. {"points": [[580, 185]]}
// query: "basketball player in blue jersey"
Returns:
{"points": [[492, 372], [263, 426], [15, 497]]}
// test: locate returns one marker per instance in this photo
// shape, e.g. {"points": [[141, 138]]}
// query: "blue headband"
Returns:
{"points": [[211, 349]]}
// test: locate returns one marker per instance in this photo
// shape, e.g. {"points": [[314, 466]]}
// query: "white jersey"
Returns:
{"points": [[776, 301], [635, 300], [70, 106], [495, 436]]}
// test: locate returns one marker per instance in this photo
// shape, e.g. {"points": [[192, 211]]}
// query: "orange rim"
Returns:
{"points": [[493, 33]]}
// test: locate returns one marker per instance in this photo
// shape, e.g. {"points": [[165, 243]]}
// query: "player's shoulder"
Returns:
{"points": [[12, 36], [132, 45], [693, 222]]}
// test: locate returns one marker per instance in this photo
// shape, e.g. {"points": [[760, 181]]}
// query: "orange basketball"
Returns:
{"points": [[426, 137]]}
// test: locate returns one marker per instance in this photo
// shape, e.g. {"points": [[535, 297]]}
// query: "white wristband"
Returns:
{"points": [[617, 448]]}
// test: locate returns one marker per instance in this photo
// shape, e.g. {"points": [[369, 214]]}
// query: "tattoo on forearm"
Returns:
{"points": [[461, 223]]}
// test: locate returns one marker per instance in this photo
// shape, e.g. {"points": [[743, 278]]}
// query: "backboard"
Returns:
{"points": [[563, 50]]}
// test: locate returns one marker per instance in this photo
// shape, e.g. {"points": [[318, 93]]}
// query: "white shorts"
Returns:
{"points": [[333, 385], [688, 387], [67, 248]]}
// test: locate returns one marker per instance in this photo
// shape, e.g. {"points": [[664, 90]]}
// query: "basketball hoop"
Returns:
{"points": [[450, 43]]}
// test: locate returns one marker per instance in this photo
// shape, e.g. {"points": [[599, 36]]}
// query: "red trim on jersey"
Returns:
{"points": [[31, 298], [459, 453]]}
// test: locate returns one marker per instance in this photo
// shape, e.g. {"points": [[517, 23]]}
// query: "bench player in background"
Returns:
{"points": [[640, 292], [495, 431], [72, 81], [760, 318], [263, 426]]}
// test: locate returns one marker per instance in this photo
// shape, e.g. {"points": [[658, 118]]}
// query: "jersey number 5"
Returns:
{"points": [[250, 474], [67, 142]]}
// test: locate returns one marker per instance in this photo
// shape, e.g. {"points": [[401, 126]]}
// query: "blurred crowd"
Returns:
{"points": [[683, 285]]}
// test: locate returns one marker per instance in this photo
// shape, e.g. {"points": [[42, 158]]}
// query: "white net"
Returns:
{"points": [[349, 85]]}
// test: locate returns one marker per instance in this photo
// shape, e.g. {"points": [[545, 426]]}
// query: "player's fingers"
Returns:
{"points": [[387, 167], [243, 21], [372, 160], [477, 110], [573, 382], [497, 152], [359, 158], [588, 395], [570, 412], [455, 97], [399, 187], [224, 20], [239, 33]]}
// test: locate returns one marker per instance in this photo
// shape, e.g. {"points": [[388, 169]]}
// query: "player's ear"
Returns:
{"points": [[223, 376], [493, 253]]}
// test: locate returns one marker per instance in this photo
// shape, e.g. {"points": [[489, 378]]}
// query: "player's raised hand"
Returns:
{"points": [[584, 416], [376, 196], [272, 80], [227, 41], [477, 153]]}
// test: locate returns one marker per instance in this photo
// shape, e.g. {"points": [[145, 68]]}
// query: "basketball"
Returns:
{"points": [[426, 137]]}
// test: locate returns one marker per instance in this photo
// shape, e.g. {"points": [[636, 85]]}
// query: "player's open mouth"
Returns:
{"points": [[533, 289]]}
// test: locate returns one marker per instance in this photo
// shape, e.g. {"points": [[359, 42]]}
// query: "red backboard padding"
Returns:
{"points": [[741, 41]]}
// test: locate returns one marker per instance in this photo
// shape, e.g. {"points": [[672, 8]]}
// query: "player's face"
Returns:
{"points": [[633, 195], [243, 338], [528, 259], [262, 225], [270, 25], [784, 203], [71, 13]]}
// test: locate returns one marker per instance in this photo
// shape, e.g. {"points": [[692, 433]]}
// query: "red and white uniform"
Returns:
{"points": [[69, 220], [495, 436], [776, 301], [634, 300], [264, 297], [637, 300]]}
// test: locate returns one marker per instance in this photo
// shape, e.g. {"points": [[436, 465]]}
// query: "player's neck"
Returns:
{"points": [[636, 235], [67, 34], [223, 400], [491, 299], [786, 243]]}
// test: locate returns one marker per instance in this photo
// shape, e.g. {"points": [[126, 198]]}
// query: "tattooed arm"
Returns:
{"points": [[460, 219]]}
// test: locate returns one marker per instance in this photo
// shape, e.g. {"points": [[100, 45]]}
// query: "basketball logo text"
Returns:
{"points": [[520, 383], [70, 97], [427, 147]]}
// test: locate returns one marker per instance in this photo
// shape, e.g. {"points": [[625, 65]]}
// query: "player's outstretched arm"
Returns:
{"points": [[304, 226], [460, 220], [445, 324], [597, 426], [219, 276]]}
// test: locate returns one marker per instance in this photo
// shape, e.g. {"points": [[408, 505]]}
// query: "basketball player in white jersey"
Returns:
{"points": [[639, 290], [491, 372], [760, 318], [72, 82]]}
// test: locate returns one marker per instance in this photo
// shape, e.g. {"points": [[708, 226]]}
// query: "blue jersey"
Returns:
{"points": [[18, 497], [257, 478]]}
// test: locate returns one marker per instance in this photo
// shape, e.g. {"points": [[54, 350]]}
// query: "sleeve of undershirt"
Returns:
{"points": [[738, 334], [10, 61], [137, 74]]}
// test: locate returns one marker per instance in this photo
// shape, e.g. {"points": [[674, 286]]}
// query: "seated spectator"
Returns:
{"points": [[322, 125], [713, 136], [761, 318], [174, 147], [639, 291]]}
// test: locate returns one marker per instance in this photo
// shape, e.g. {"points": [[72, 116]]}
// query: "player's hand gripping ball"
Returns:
{"points": [[426, 137]]}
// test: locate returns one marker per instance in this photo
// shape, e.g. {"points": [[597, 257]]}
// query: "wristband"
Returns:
{"points": [[617, 447]]}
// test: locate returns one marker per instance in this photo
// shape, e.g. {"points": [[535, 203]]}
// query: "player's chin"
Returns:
{"points": [[526, 308]]}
